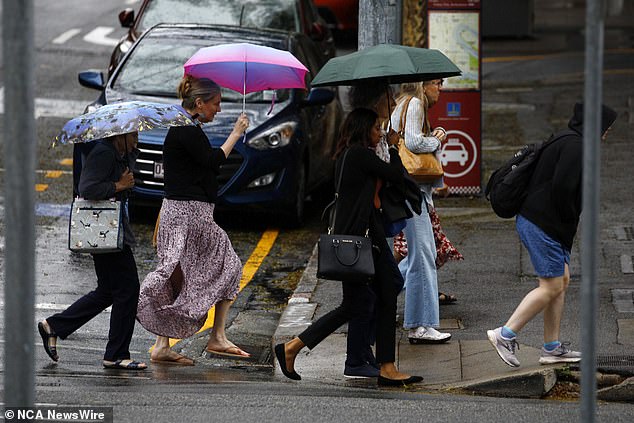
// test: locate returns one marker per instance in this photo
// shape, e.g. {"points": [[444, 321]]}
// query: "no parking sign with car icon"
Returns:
{"points": [[459, 113], [458, 154]]}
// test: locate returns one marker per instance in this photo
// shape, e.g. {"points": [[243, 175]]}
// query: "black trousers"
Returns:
{"points": [[361, 337], [117, 286], [358, 302]]}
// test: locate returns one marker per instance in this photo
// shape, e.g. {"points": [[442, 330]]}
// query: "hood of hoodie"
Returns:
{"points": [[608, 116]]}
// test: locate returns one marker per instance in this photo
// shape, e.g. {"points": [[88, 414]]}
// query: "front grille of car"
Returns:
{"points": [[152, 153]]}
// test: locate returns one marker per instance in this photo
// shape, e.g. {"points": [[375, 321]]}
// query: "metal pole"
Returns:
{"points": [[591, 189], [19, 160]]}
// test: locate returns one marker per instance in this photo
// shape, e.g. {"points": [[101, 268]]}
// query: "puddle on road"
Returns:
{"points": [[52, 210], [186, 375]]}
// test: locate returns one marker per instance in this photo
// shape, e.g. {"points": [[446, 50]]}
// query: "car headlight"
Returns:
{"points": [[276, 137], [262, 181]]}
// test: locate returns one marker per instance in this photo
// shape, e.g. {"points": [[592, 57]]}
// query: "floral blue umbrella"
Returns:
{"points": [[122, 118]]}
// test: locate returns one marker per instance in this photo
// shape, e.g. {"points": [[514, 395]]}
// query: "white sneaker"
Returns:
{"points": [[427, 335], [504, 347], [561, 354]]}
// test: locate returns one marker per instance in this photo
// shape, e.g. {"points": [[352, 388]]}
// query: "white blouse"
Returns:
{"points": [[415, 140]]}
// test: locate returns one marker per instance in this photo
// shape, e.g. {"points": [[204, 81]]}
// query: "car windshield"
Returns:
{"points": [[276, 14], [155, 68]]}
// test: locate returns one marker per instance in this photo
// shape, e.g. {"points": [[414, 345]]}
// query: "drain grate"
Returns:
{"points": [[619, 364]]}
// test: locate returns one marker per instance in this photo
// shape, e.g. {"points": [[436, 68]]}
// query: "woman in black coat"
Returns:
{"points": [[105, 175], [357, 214]]}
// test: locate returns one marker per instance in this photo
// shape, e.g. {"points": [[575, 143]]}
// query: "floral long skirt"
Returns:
{"points": [[197, 268], [445, 250]]}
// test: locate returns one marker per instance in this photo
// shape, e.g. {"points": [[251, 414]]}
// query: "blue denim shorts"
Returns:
{"points": [[548, 256]]}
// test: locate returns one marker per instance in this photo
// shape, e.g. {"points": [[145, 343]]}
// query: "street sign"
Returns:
{"points": [[459, 113], [454, 29]]}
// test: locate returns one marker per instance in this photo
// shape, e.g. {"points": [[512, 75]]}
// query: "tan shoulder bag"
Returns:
{"points": [[423, 167]]}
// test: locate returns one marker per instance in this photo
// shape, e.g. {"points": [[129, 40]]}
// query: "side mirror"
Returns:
{"points": [[92, 79], [126, 17], [318, 97]]}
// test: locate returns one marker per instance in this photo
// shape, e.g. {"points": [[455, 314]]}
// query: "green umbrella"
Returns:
{"points": [[393, 63]]}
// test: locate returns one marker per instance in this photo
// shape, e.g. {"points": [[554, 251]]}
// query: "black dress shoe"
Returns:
{"points": [[46, 341], [281, 358], [384, 381]]}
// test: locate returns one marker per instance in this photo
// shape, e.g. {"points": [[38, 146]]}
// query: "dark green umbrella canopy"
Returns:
{"points": [[393, 63]]}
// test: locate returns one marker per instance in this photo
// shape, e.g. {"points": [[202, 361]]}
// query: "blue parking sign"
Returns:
{"points": [[453, 109]]}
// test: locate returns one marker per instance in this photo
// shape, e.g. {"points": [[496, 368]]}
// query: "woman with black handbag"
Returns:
{"points": [[376, 96], [359, 168]]}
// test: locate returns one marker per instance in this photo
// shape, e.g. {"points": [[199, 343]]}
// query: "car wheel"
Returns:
{"points": [[294, 216]]}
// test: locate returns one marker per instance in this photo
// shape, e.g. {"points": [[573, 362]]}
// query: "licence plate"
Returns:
{"points": [[158, 170]]}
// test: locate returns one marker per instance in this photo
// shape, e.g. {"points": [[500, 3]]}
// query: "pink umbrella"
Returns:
{"points": [[247, 68]]}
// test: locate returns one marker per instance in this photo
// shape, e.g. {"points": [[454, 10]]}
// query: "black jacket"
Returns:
{"points": [[553, 200], [355, 206], [399, 200], [191, 165], [101, 169]]}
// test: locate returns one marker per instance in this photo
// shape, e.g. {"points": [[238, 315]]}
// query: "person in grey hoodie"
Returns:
{"points": [[105, 174], [547, 224]]}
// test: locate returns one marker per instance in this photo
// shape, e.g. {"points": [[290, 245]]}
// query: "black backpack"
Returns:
{"points": [[507, 186]]}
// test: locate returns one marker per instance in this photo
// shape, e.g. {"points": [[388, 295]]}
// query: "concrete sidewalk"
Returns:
{"points": [[459, 365], [462, 365]]}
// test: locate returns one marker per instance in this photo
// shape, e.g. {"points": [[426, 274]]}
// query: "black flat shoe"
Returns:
{"points": [[281, 358], [384, 381], [46, 341]]}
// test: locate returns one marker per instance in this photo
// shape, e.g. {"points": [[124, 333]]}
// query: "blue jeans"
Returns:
{"points": [[419, 271]]}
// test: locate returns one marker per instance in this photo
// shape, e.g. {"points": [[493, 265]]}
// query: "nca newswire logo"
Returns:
{"points": [[68, 414]]}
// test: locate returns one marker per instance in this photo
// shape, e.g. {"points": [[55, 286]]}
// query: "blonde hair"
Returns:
{"points": [[191, 88], [416, 89]]}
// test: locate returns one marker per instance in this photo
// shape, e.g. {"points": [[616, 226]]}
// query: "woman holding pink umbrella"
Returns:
{"points": [[198, 267]]}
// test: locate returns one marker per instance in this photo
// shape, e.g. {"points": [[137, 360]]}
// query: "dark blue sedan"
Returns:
{"points": [[288, 148]]}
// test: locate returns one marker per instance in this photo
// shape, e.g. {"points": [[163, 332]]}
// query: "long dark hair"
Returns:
{"points": [[356, 129]]}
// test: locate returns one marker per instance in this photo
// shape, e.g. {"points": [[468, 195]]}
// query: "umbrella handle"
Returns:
{"points": [[244, 93]]}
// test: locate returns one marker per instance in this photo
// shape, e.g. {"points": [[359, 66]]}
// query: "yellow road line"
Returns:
{"points": [[53, 174], [544, 56], [41, 187], [618, 71], [511, 58], [249, 269], [66, 162]]}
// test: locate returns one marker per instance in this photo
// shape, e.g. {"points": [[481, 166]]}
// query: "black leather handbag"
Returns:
{"points": [[345, 258]]}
